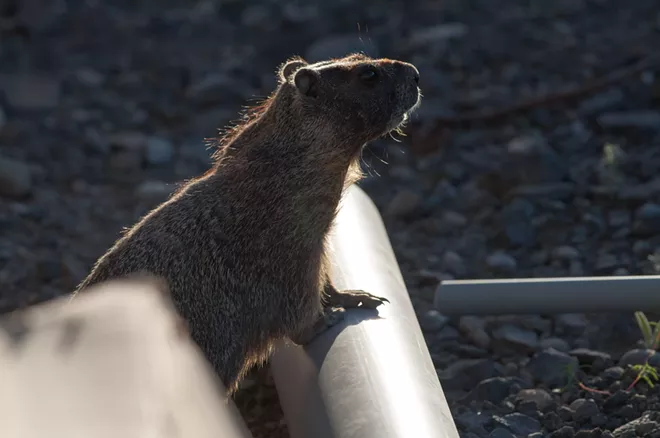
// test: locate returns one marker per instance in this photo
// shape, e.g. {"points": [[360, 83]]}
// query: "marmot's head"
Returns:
{"points": [[355, 97]]}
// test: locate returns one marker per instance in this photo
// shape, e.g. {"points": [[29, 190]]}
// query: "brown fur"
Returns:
{"points": [[243, 246]]}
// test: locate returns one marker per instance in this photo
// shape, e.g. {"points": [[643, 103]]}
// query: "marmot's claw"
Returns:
{"points": [[354, 298]]}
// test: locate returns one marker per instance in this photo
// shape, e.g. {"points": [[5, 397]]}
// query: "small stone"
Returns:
{"points": [[564, 432], [647, 219], [27, 91], [583, 409], [619, 218], [454, 263], [404, 203], [601, 102], [90, 77], [495, 389], [517, 337], [15, 178], [154, 190], [631, 120], [337, 46], [541, 398], [606, 263], [433, 321], [536, 435], [474, 329], [256, 16], [565, 253], [500, 432], [128, 140], [639, 356], [642, 248], [519, 424], [159, 151], [552, 367], [613, 373], [588, 357], [617, 399], [642, 426], [501, 262], [437, 34], [599, 420], [464, 374], [454, 220], [555, 343], [574, 322]]}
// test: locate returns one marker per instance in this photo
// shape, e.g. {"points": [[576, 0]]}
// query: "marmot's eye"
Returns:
{"points": [[370, 75]]}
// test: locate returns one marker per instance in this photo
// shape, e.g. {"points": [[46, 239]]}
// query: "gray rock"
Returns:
{"points": [[473, 422], [557, 191], [601, 102], [474, 329], [128, 141], [433, 321], [437, 34], [641, 426], [500, 432], [574, 322], [642, 248], [337, 46], [647, 219], [588, 357], [464, 374], [27, 91], [405, 203], [516, 218], [563, 432], [619, 218], [531, 161], [453, 220], [495, 389], [639, 356], [565, 253], [606, 263], [501, 262], [454, 263], [552, 367], [159, 151], [3, 119], [631, 119], [540, 397], [517, 337], [448, 333], [613, 373], [583, 409], [519, 424], [15, 178]]}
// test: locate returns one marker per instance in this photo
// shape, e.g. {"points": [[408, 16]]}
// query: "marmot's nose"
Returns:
{"points": [[410, 71]]}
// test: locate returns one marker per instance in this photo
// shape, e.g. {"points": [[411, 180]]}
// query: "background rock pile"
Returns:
{"points": [[104, 106]]}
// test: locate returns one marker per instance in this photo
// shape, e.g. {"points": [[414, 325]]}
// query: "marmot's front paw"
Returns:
{"points": [[354, 298]]}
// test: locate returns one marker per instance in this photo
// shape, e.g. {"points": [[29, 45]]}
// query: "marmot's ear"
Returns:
{"points": [[306, 81], [289, 67]]}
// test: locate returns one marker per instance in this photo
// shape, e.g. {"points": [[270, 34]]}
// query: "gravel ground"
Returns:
{"points": [[104, 105]]}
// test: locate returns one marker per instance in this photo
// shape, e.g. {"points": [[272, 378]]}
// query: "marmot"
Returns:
{"points": [[243, 247]]}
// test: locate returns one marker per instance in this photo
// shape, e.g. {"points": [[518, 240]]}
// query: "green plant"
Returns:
{"points": [[644, 372], [650, 331]]}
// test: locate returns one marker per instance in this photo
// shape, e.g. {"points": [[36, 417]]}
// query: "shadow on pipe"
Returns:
{"points": [[369, 376]]}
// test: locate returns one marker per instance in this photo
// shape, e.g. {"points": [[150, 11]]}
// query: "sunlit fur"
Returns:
{"points": [[242, 247]]}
